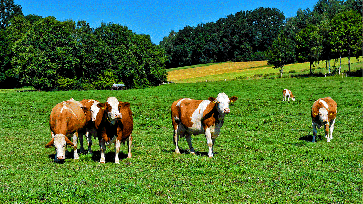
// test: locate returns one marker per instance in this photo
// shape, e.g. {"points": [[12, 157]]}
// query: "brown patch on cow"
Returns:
{"points": [[66, 118], [122, 128]]}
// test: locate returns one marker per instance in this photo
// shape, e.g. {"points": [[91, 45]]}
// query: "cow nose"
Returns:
{"points": [[118, 115], [61, 157], [227, 110]]}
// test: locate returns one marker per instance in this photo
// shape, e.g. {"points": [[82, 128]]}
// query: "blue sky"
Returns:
{"points": [[153, 17]]}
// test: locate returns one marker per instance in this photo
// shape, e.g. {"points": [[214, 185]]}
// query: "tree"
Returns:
{"points": [[8, 9], [45, 53], [309, 45], [282, 52], [346, 34]]}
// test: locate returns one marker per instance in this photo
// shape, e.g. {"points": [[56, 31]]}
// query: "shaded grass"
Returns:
{"points": [[261, 156]]}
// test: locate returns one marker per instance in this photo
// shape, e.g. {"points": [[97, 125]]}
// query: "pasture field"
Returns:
{"points": [[253, 70], [263, 154]]}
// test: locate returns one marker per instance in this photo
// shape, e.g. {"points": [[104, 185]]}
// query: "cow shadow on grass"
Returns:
{"points": [[110, 156], [187, 151], [309, 138], [96, 156]]}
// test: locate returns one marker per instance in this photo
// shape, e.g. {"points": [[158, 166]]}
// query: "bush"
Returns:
{"points": [[105, 80]]}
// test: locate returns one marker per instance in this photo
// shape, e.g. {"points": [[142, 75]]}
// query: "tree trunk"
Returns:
{"points": [[329, 66], [340, 63], [349, 60]]}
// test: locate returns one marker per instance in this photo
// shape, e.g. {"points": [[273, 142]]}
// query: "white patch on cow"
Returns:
{"points": [[323, 115], [94, 110], [223, 103], [114, 114], [178, 104], [196, 118], [324, 103], [66, 108]]}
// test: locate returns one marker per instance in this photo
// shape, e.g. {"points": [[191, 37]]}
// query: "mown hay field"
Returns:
{"points": [[263, 155], [253, 70]]}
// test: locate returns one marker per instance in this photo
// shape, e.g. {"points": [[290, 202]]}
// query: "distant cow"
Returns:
{"points": [[286, 93], [193, 117], [323, 113], [113, 122], [67, 118]]}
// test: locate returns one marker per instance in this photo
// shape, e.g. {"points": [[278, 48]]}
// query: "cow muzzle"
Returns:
{"points": [[226, 110]]}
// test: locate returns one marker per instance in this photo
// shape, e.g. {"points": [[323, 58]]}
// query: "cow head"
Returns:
{"points": [[222, 102], [323, 115], [110, 110], [293, 98]]}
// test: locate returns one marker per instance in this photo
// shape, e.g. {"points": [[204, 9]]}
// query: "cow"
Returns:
{"points": [[286, 93], [114, 123], [67, 118], [323, 113], [193, 117], [89, 129]]}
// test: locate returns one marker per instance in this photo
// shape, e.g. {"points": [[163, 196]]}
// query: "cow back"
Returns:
{"points": [[67, 117]]}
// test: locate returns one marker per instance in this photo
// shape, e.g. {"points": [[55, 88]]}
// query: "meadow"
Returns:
{"points": [[263, 155], [255, 70]]}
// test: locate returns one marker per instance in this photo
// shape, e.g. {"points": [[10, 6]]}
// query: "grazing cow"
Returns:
{"points": [[323, 113], [67, 118], [286, 93], [114, 122], [193, 117], [90, 129]]}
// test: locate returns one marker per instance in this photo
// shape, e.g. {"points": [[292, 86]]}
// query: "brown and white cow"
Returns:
{"points": [[67, 118], [114, 123], [323, 113], [286, 93], [89, 129], [193, 117]]}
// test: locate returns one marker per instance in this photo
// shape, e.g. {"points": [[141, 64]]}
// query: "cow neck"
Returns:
{"points": [[213, 113]]}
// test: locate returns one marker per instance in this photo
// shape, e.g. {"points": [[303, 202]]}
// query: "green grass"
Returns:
{"points": [[261, 155]]}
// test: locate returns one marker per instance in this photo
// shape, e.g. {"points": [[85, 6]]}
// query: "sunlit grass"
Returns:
{"points": [[254, 70], [263, 154]]}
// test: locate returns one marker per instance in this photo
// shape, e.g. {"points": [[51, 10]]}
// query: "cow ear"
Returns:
{"points": [[51, 143], [123, 104], [233, 99], [212, 99]]}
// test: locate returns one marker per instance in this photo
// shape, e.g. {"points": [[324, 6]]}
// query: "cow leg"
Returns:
{"points": [[176, 139], [117, 151], [188, 137], [209, 142], [129, 143], [331, 129], [81, 149], [103, 150], [75, 138], [314, 131], [89, 141]]}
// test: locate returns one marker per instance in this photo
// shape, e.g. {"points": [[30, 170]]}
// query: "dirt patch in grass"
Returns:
{"points": [[215, 69]]}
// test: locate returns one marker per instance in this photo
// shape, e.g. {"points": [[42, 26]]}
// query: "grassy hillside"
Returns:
{"points": [[252, 70], [263, 154]]}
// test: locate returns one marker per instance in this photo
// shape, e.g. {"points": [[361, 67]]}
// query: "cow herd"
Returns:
{"points": [[112, 122]]}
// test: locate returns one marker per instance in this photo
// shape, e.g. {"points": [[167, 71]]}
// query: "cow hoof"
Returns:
{"points": [[177, 152], [102, 161], [129, 155], [117, 162]]}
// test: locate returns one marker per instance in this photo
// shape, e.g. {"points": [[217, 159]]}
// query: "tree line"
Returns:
{"points": [[332, 29], [52, 55]]}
